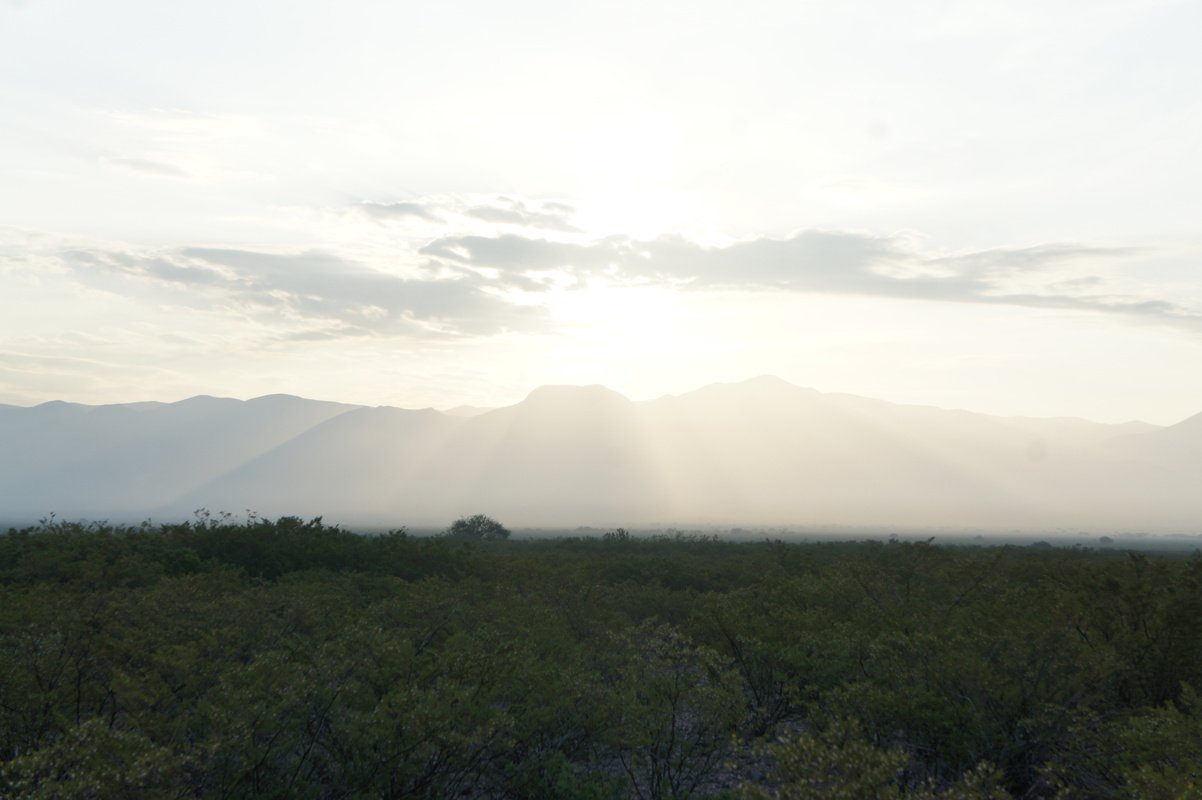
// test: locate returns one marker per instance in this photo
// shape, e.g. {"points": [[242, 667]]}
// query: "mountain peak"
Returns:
{"points": [[53, 404], [555, 394], [285, 400], [769, 382], [203, 399], [279, 397]]}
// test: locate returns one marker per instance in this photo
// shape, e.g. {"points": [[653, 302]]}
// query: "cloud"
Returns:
{"points": [[479, 285], [159, 267], [553, 216], [1038, 258], [823, 261], [393, 211], [519, 254], [327, 295], [549, 215]]}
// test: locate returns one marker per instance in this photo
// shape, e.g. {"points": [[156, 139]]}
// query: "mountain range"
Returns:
{"points": [[758, 452]]}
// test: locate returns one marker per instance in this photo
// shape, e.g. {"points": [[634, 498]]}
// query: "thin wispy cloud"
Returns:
{"points": [[330, 296], [501, 211], [399, 210], [507, 211], [480, 286], [824, 262]]}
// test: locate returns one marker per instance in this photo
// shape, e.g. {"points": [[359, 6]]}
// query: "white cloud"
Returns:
{"points": [[827, 262]]}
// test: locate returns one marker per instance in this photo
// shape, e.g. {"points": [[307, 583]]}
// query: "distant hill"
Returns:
{"points": [[758, 452], [129, 459]]}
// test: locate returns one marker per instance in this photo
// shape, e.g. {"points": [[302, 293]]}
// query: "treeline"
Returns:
{"points": [[293, 659]]}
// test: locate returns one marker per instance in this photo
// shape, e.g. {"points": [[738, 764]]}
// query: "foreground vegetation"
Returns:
{"points": [[291, 659]]}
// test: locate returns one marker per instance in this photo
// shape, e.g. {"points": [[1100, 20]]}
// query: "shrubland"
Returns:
{"points": [[295, 659]]}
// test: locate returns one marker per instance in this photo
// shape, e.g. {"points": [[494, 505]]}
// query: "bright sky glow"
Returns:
{"points": [[988, 205]]}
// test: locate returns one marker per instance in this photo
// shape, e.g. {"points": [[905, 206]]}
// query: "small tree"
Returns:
{"points": [[477, 526], [620, 535]]}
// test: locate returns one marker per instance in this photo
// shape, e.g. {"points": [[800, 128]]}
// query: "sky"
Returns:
{"points": [[982, 205]]}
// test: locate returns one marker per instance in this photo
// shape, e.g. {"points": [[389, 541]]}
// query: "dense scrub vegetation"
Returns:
{"points": [[293, 659]]}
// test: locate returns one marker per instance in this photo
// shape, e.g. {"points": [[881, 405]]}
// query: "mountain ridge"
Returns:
{"points": [[473, 410], [756, 451]]}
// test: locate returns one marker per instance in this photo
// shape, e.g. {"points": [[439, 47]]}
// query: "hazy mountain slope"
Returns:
{"points": [[564, 453], [356, 465], [1168, 463], [758, 451], [123, 459], [777, 451], [762, 451], [1177, 445]]}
